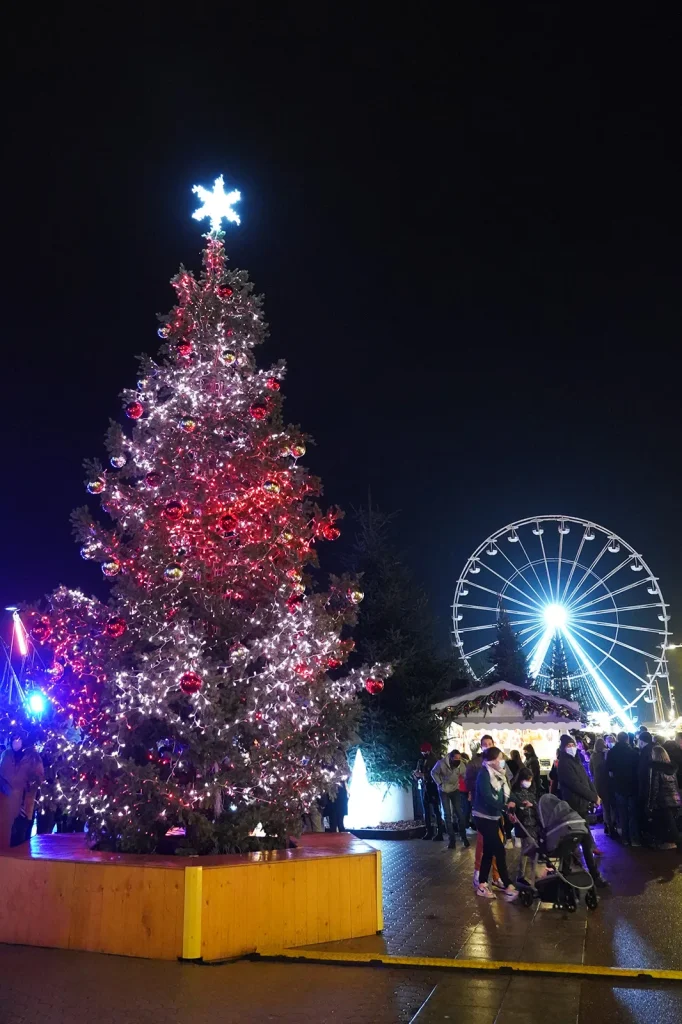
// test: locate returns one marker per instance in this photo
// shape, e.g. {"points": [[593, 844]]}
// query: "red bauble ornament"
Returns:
{"points": [[173, 511], [259, 412], [134, 410], [183, 348], [224, 292], [330, 532], [333, 663], [228, 523], [42, 630], [116, 627], [190, 682], [152, 479], [374, 686], [273, 384]]}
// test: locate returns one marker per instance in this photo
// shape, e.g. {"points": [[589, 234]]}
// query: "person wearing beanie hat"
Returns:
{"points": [[576, 788]]}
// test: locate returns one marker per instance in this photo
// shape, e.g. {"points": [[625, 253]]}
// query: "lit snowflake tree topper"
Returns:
{"points": [[217, 204]]}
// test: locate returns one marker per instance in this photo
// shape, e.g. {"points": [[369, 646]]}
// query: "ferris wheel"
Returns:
{"points": [[568, 582]]}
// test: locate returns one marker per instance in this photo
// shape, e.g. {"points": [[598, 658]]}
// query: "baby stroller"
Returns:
{"points": [[560, 832]]}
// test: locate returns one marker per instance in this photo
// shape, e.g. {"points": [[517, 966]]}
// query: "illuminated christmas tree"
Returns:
{"points": [[560, 683], [215, 696]]}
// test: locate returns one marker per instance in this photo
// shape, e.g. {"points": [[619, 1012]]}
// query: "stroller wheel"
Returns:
{"points": [[526, 897], [591, 900]]}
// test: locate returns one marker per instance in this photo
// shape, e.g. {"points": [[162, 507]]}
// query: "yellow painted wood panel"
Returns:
{"points": [[34, 906], [300, 910], [136, 910], [363, 908], [312, 901]]}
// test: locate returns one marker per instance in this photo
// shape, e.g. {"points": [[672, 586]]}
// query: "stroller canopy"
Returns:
{"points": [[558, 821]]}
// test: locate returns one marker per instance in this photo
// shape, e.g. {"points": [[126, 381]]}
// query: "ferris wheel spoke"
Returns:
{"points": [[520, 570], [606, 654], [475, 629], [544, 598], [620, 643], [558, 565], [586, 573], [549, 578], [493, 609], [537, 658], [600, 581], [496, 594], [533, 630], [506, 582], [596, 670], [617, 611], [620, 625], [479, 650], [576, 561], [613, 593]]}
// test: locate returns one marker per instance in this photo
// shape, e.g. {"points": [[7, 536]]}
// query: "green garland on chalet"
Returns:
{"points": [[531, 705]]}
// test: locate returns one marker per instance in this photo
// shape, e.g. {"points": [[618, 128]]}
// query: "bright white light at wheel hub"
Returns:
{"points": [[555, 616]]}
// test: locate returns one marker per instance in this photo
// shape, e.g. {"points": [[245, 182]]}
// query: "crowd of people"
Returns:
{"points": [[634, 781]]}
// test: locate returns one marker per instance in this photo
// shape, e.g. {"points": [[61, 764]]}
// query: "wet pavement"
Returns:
{"points": [[430, 910]]}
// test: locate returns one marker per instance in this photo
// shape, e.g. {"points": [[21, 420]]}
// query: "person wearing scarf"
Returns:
{"points": [[492, 797]]}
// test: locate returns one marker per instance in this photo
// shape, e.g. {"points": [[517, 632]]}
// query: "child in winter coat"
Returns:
{"points": [[526, 811]]}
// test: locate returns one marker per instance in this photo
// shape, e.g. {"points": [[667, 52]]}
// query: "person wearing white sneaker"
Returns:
{"points": [[491, 800]]}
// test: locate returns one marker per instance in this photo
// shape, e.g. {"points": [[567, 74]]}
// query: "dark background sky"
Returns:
{"points": [[467, 230]]}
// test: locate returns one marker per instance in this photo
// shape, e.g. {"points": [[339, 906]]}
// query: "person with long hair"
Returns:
{"points": [[491, 800], [663, 801]]}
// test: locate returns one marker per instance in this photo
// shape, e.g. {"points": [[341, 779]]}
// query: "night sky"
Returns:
{"points": [[467, 233]]}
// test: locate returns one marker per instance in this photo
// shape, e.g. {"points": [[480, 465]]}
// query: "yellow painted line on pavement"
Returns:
{"points": [[517, 966]]}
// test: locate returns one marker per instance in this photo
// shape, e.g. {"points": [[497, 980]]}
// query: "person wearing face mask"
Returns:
{"points": [[447, 773], [21, 772], [473, 770], [523, 796], [492, 799], [575, 787]]}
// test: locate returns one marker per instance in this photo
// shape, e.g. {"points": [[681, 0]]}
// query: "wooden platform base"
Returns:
{"points": [[56, 892]]}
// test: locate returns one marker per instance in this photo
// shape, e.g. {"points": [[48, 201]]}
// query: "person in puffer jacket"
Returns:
{"points": [[447, 773], [663, 802]]}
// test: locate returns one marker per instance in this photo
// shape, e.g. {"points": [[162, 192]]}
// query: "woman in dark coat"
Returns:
{"points": [[664, 799]]}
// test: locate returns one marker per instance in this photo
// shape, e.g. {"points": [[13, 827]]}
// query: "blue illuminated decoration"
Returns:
{"points": [[217, 204], [37, 703]]}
